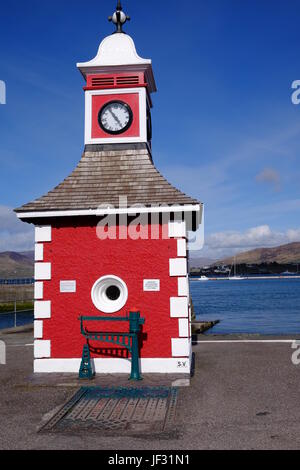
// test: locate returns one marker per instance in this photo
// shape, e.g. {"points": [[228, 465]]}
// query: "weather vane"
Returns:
{"points": [[119, 18]]}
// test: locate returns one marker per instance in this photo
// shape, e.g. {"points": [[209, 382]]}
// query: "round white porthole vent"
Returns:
{"points": [[109, 294]]}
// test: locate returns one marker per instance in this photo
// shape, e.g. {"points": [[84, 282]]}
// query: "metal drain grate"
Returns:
{"points": [[139, 411]]}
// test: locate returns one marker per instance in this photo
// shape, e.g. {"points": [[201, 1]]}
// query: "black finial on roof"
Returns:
{"points": [[119, 18]]}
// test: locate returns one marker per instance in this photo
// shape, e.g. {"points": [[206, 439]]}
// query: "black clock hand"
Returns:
{"points": [[116, 118]]}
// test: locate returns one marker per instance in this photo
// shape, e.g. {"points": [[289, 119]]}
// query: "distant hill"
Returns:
{"points": [[16, 265], [28, 254], [198, 261], [284, 254]]}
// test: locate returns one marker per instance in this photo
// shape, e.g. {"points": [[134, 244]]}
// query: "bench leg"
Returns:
{"points": [[86, 371], [135, 360]]}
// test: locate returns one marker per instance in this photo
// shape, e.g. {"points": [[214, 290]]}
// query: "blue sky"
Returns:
{"points": [[225, 129]]}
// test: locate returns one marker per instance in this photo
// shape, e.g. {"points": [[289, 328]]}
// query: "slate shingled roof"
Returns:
{"points": [[106, 172]]}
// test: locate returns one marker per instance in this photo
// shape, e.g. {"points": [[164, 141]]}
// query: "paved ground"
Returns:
{"points": [[243, 396]]}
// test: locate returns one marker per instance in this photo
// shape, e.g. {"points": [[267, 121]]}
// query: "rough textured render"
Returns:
{"points": [[106, 172]]}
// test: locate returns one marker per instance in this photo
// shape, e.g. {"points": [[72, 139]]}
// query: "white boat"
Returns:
{"points": [[234, 277], [202, 278]]}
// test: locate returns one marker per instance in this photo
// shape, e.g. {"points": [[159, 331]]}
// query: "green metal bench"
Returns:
{"points": [[129, 340]]}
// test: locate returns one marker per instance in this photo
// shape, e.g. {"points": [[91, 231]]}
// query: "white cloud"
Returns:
{"points": [[293, 235], [14, 234], [252, 237], [227, 243]]}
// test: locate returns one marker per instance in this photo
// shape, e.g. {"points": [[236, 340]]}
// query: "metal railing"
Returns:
{"points": [[10, 310], [17, 282]]}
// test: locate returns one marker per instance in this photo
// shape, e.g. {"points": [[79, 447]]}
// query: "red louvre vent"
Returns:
{"points": [[130, 80], [115, 81], [105, 81]]}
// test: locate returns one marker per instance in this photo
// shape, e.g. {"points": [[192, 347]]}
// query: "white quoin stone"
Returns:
{"points": [[180, 347], [38, 329], [42, 309], [39, 252], [38, 290], [43, 233], [178, 307], [183, 325], [177, 229], [42, 348], [178, 267], [42, 271], [181, 247], [183, 286]]}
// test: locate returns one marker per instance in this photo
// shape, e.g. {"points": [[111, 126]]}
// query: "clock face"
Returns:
{"points": [[115, 117]]}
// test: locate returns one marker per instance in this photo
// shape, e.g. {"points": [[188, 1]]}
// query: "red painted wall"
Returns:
{"points": [[76, 253]]}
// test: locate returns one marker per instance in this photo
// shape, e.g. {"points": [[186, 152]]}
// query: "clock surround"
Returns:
{"points": [[135, 98]]}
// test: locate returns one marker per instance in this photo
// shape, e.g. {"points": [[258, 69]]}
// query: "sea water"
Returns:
{"points": [[7, 320], [264, 306]]}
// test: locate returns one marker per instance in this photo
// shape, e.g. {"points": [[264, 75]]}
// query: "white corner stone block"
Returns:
{"points": [[179, 307], [42, 309], [42, 349], [181, 247], [183, 287], [43, 234], [38, 329], [183, 325], [42, 271], [180, 347], [38, 290], [39, 252], [177, 229], [178, 267]]}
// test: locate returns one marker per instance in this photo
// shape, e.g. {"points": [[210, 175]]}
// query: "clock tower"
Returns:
{"points": [[118, 90], [111, 238]]}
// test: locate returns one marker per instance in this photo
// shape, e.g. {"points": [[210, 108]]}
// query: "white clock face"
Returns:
{"points": [[115, 117]]}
